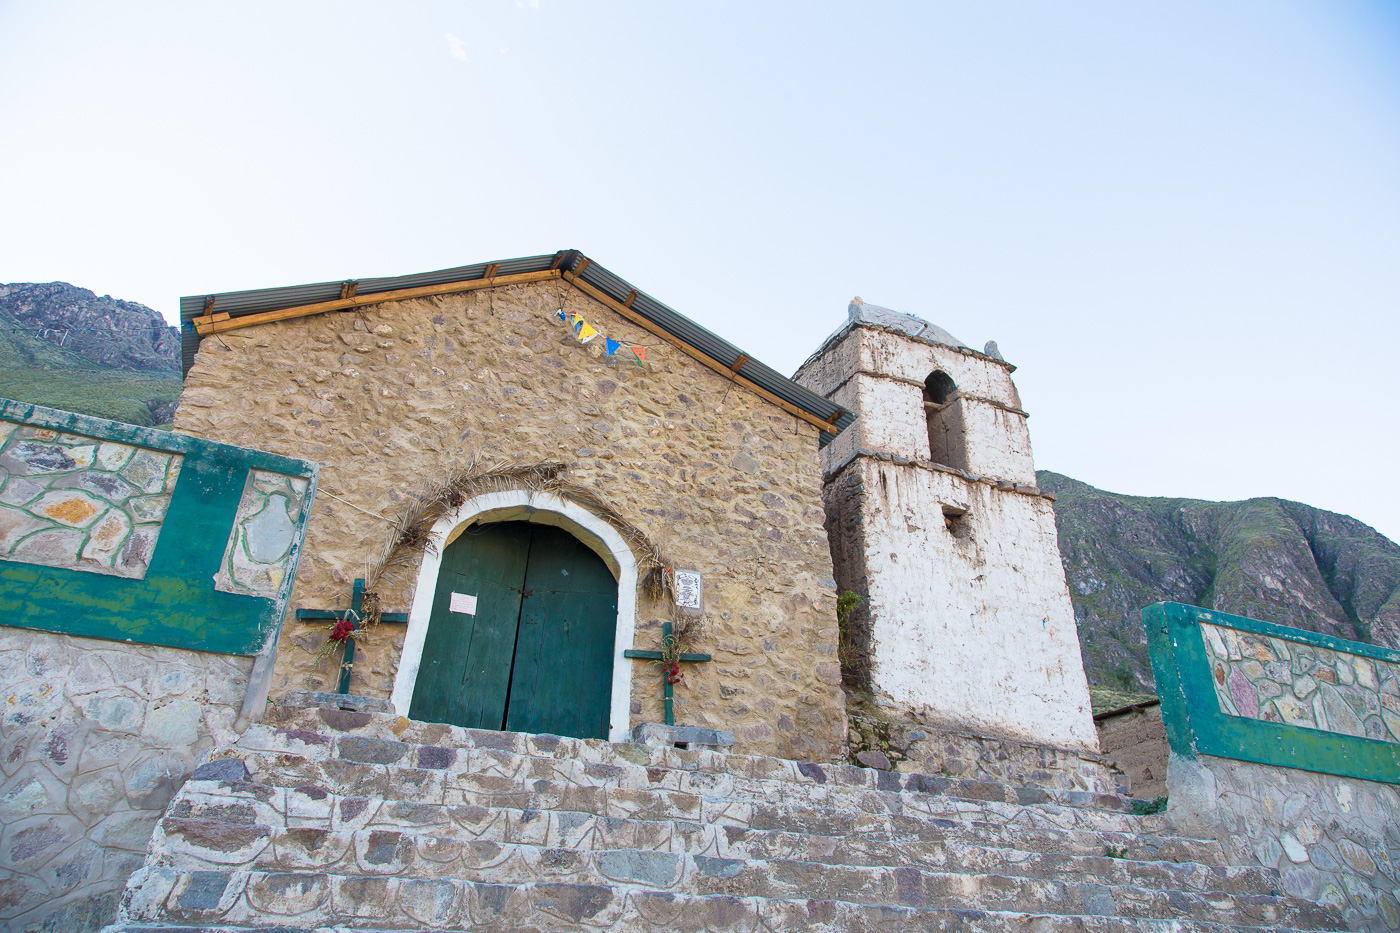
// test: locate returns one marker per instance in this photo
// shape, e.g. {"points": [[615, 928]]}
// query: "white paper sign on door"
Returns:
{"points": [[461, 602]]}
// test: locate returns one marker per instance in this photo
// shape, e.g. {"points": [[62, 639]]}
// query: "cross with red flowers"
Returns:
{"points": [[671, 671], [347, 621]]}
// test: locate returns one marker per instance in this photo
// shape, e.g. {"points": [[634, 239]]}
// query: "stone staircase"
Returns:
{"points": [[323, 818]]}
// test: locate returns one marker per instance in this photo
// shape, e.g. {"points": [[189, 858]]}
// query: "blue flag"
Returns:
{"points": [[613, 345]]}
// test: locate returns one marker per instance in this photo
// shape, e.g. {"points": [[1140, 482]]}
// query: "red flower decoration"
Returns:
{"points": [[343, 630]]}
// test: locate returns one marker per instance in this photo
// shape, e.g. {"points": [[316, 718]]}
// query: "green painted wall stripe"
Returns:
{"points": [[1195, 724], [176, 604]]}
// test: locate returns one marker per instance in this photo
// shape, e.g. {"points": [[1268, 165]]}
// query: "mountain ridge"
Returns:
{"points": [[1267, 558]]}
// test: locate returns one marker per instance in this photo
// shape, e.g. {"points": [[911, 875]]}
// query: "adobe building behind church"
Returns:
{"points": [[710, 456]]}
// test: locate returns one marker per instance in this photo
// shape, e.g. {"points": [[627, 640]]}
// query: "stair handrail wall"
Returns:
{"points": [[1285, 746]]}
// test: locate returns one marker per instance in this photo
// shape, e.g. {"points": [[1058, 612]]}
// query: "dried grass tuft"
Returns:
{"points": [[411, 534]]}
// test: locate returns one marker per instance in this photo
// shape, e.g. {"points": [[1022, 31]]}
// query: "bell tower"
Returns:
{"points": [[936, 522]]}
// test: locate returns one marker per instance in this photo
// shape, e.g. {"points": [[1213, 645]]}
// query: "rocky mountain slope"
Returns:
{"points": [[65, 347], [1270, 559], [107, 332]]}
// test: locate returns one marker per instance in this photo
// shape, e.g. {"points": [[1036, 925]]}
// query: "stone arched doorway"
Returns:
{"points": [[514, 523]]}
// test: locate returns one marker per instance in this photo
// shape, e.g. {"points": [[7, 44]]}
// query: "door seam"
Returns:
{"points": [[515, 646]]}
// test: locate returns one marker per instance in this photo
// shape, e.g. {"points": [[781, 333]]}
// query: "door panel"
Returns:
{"points": [[464, 677], [562, 681]]}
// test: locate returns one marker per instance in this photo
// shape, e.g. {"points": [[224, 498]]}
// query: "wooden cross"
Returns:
{"points": [[656, 656], [347, 663]]}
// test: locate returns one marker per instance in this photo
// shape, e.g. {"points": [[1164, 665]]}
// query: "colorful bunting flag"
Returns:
{"points": [[586, 332]]}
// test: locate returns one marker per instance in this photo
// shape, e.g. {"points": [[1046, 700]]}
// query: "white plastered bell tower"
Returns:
{"points": [[935, 520]]}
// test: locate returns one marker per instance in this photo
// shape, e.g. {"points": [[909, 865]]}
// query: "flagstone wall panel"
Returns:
{"points": [[111, 530], [81, 503], [1282, 749], [393, 397]]}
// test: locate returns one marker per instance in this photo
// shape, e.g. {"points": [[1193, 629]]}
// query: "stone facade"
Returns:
{"points": [[1259, 677], [81, 503], [1333, 839], [395, 396], [936, 523], [95, 738]]}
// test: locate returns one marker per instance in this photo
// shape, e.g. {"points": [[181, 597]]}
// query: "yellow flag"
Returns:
{"points": [[585, 331]]}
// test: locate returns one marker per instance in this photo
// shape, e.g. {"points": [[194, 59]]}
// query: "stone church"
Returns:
{"points": [[507, 598], [709, 458]]}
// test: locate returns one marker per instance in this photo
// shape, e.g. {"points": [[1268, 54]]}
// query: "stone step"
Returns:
{"points": [[349, 793], [331, 723], [213, 844], [252, 803], [805, 784], [307, 900]]}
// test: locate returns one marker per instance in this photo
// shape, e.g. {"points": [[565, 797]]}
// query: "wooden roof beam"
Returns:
{"points": [[218, 324]]}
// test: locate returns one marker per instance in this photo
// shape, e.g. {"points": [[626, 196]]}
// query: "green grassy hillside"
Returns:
{"points": [[33, 370]]}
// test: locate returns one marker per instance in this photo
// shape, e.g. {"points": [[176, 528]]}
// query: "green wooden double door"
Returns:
{"points": [[521, 634]]}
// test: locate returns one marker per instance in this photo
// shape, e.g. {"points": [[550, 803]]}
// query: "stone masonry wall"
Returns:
{"points": [[1136, 741], [1333, 839], [95, 738], [392, 397]]}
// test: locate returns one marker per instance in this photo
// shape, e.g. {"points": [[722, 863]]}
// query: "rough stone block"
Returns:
{"points": [[316, 699], [663, 736], [230, 770]]}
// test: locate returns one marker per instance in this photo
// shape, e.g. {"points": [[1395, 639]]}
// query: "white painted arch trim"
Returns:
{"points": [[545, 509]]}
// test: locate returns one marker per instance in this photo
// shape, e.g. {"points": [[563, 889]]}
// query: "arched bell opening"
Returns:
{"points": [[947, 436]]}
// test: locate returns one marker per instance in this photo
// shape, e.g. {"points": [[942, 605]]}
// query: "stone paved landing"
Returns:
{"points": [[344, 819]]}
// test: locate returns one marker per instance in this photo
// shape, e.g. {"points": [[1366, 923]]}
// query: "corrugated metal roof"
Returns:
{"points": [[240, 304]]}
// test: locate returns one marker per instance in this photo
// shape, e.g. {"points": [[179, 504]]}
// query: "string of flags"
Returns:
{"points": [[585, 332]]}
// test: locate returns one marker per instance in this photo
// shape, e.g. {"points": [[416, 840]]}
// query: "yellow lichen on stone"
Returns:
{"points": [[72, 511]]}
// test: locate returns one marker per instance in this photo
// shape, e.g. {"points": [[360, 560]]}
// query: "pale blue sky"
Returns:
{"points": [[1180, 220]]}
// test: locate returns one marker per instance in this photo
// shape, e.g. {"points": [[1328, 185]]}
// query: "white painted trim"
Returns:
{"points": [[546, 509]]}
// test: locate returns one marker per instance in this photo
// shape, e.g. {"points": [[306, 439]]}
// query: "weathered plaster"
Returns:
{"points": [[879, 375], [1333, 839], [394, 397], [967, 622], [972, 627], [95, 738]]}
